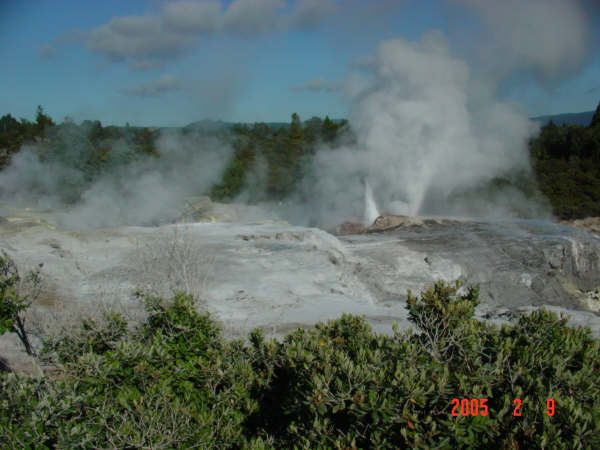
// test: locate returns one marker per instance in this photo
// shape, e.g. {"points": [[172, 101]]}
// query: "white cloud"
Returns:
{"points": [[148, 42], [252, 16], [551, 37], [310, 13], [167, 83], [141, 40], [192, 17]]}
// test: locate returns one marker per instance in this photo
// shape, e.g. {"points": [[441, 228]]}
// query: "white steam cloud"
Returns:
{"points": [[431, 134], [424, 134], [550, 37], [143, 192]]}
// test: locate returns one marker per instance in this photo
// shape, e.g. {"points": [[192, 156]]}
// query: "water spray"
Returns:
{"points": [[371, 210]]}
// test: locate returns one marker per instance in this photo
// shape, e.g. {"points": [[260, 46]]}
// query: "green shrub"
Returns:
{"points": [[183, 329], [12, 303], [392, 392], [31, 411], [444, 318], [174, 382], [93, 337]]}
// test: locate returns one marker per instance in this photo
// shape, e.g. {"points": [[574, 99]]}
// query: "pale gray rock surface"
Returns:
{"points": [[280, 277]]}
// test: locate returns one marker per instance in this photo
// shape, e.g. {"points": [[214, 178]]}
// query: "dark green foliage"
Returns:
{"points": [[12, 303], [176, 383], [185, 330], [14, 134], [566, 161], [173, 383], [144, 141], [269, 163], [93, 337], [87, 150], [442, 315], [440, 307], [234, 177], [328, 129], [341, 386], [42, 121], [596, 118]]}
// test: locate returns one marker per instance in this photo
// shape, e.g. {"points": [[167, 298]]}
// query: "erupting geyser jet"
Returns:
{"points": [[371, 211]]}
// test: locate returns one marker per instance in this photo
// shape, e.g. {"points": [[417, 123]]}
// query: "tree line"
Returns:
{"points": [[269, 161], [566, 161]]}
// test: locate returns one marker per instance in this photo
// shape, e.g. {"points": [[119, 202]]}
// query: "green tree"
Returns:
{"points": [[8, 123], [296, 126], [596, 119], [312, 129], [12, 304], [329, 130], [144, 140], [93, 129], [42, 121], [11, 136], [260, 131]]}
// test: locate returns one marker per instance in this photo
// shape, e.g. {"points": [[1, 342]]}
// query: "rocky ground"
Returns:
{"points": [[251, 270], [590, 224]]}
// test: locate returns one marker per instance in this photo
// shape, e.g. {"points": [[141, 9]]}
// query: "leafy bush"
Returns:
{"points": [[174, 382], [391, 392], [12, 303], [93, 337]]}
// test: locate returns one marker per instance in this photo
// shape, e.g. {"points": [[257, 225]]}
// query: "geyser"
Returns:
{"points": [[371, 211], [430, 133]]}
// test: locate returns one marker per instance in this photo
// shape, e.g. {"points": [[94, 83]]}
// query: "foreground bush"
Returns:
{"points": [[12, 302], [176, 383]]}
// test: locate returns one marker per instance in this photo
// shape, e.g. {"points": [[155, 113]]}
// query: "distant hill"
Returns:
{"points": [[582, 118], [208, 125], [218, 125]]}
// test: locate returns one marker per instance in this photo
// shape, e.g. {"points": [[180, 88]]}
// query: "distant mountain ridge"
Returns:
{"points": [[218, 125], [208, 125], [582, 118]]}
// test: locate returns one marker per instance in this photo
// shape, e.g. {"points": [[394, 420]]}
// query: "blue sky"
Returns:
{"points": [[170, 63]]}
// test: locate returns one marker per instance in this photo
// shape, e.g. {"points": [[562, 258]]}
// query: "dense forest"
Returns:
{"points": [[566, 160], [270, 160], [267, 160], [87, 150]]}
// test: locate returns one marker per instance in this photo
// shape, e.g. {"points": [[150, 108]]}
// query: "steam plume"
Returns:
{"points": [[424, 135], [145, 191]]}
